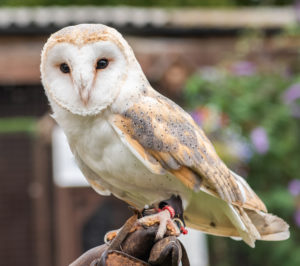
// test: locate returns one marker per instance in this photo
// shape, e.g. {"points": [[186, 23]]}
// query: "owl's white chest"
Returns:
{"points": [[97, 145]]}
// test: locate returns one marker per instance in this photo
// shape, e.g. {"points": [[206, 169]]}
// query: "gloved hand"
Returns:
{"points": [[135, 245]]}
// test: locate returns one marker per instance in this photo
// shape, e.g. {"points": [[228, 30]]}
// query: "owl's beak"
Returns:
{"points": [[84, 94], [84, 89]]}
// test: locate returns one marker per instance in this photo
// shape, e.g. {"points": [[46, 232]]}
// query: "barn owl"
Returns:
{"points": [[131, 141]]}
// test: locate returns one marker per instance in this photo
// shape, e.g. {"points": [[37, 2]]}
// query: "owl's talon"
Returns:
{"points": [[166, 224]]}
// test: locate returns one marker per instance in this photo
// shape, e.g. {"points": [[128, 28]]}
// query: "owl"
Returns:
{"points": [[134, 143]]}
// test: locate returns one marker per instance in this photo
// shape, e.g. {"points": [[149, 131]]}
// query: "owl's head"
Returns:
{"points": [[84, 66]]}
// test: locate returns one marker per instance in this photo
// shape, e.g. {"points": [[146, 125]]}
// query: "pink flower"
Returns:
{"points": [[297, 217], [244, 68], [294, 187], [292, 93], [260, 140], [290, 96], [196, 115]]}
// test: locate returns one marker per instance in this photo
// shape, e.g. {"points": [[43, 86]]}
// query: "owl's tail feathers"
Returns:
{"points": [[269, 226], [245, 227], [261, 226], [217, 217]]}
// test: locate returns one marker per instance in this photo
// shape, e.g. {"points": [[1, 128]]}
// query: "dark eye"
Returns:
{"points": [[102, 63], [64, 68]]}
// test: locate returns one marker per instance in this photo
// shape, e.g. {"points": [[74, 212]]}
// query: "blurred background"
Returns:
{"points": [[234, 65]]}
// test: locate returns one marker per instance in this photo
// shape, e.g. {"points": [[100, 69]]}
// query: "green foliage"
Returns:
{"points": [[252, 99], [164, 3], [17, 124]]}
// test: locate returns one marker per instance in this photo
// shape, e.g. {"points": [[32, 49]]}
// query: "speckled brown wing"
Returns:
{"points": [[166, 138]]}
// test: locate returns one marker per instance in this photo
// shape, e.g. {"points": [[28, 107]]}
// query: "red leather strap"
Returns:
{"points": [[170, 209]]}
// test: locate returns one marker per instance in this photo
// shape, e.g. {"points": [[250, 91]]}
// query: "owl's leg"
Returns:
{"points": [[164, 219], [169, 216]]}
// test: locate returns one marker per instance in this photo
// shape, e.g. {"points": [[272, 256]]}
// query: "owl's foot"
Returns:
{"points": [[168, 217], [164, 219]]}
